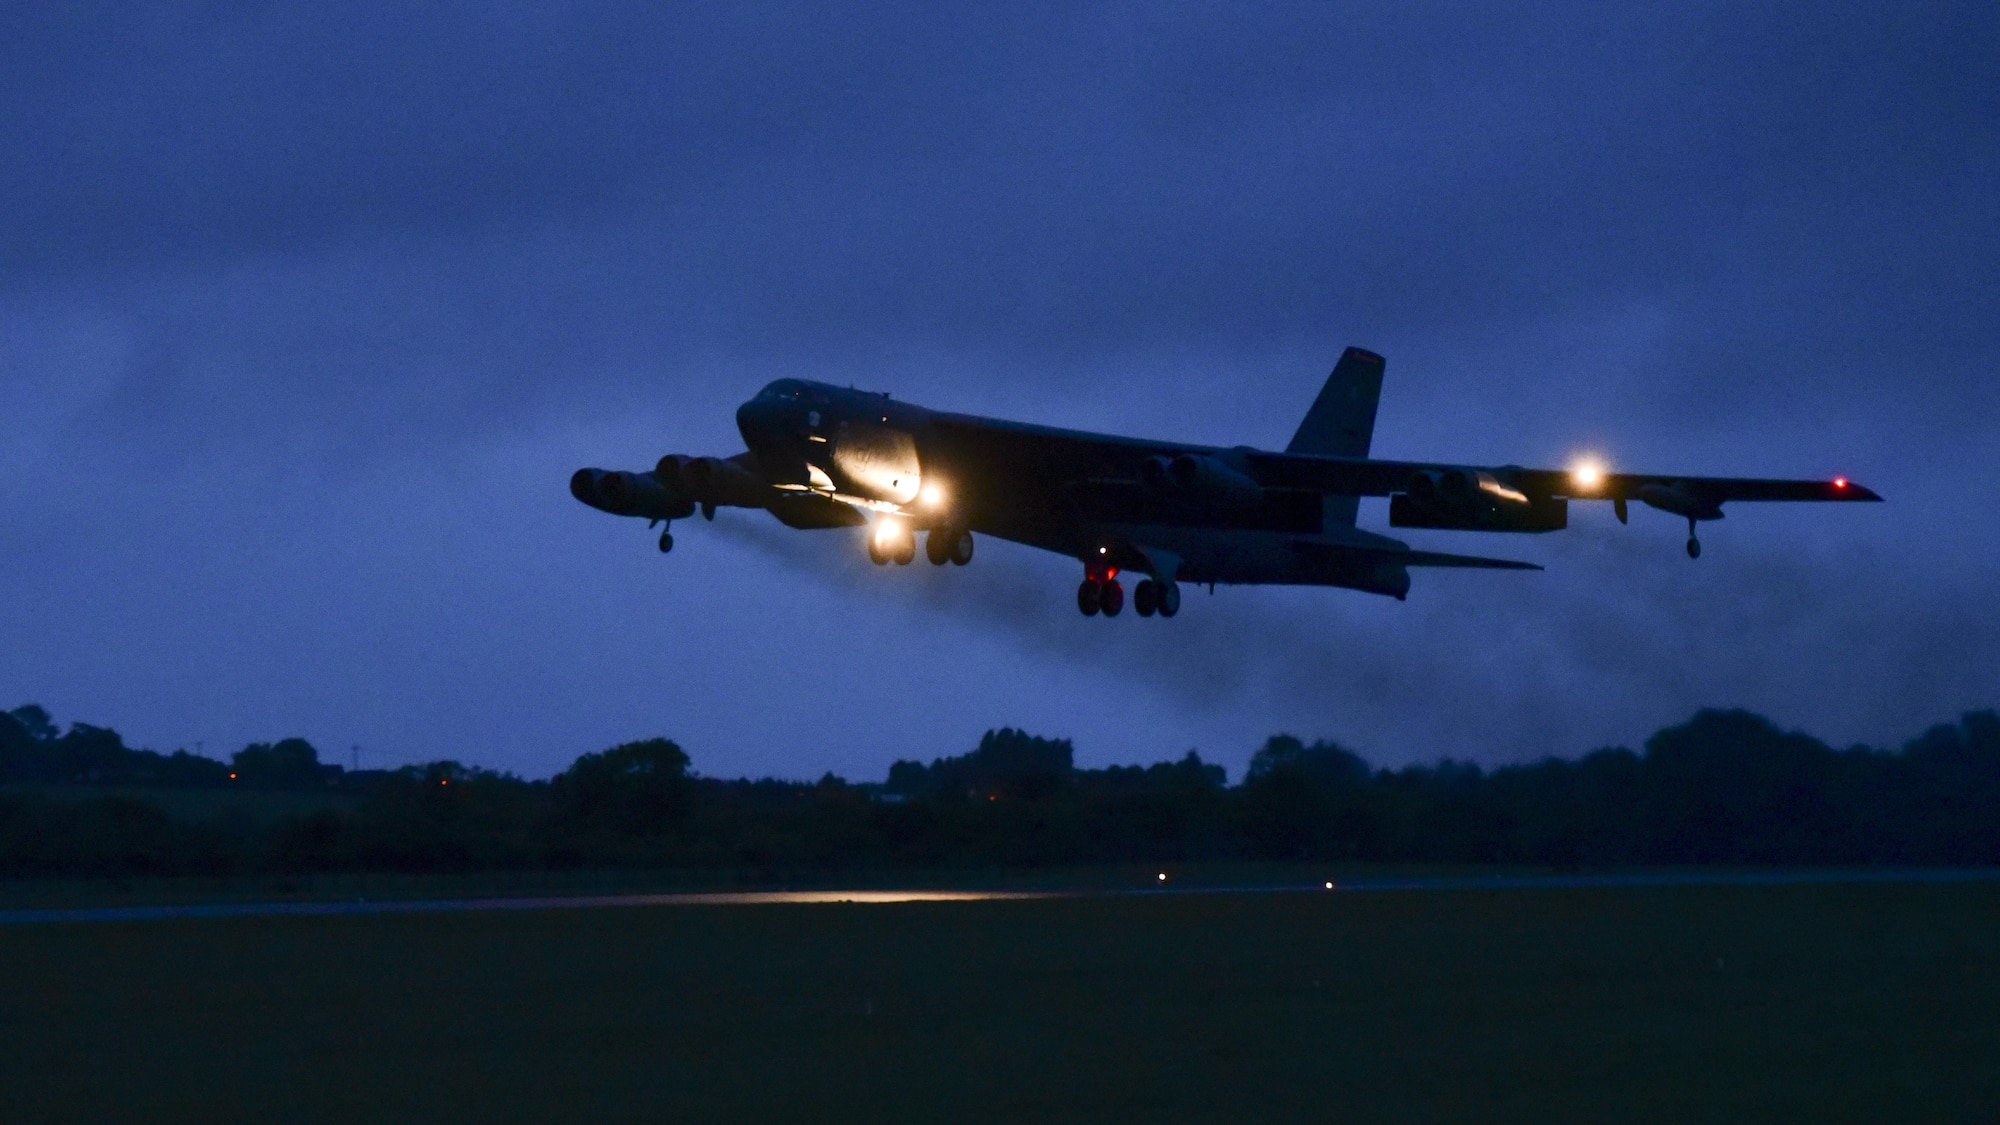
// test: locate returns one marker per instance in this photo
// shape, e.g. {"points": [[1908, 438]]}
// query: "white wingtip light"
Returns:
{"points": [[1587, 474]]}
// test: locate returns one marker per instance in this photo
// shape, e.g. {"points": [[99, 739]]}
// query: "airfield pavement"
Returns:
{"points": [[1758, 996], [159, 912]]}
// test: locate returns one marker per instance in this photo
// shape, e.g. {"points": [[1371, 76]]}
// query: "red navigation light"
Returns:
{"points": [[1840, 482]]}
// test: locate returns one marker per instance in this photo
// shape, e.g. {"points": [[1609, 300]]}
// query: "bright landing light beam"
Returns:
{"points": [[1587, 474]]}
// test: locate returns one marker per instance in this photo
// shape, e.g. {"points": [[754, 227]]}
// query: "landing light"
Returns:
{"points": [[1587, 474], [933, 496]]}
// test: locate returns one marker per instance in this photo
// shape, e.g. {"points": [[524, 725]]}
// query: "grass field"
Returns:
{"points": [[1871, 1002]]}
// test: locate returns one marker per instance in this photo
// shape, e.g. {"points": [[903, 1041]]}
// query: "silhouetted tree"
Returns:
{"points": [[636, 790], [1724, 787], [34, 722], [291, 763], [17, 748], [1307, 802], [1007, 763]]}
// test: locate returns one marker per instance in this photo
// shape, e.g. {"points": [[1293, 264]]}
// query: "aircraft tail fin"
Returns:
{"points": [[1341, 422]]}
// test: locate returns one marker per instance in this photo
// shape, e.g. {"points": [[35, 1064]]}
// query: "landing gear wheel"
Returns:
{"points": [[1169, 598], [1694, 547], [877, 551], [961, 548], [937, 546], [906, 549], [1088, 598], [1111, 599], [666, 541], [1145, 598]]}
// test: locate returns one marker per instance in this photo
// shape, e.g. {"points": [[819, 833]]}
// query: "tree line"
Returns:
{"points": [[1725, 787]]}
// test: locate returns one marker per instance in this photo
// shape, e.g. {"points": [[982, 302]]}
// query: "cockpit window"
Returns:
{"points": [[783, 390]]}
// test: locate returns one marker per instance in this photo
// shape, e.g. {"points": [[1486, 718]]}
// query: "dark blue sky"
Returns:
{"points": [[306, 315]]}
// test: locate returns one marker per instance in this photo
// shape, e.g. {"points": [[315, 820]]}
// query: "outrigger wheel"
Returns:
{"points": [[1694, 545], [666, 541]]}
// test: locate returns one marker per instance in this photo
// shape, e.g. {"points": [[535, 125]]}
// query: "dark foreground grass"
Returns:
{"points": [[1813, 1003]]}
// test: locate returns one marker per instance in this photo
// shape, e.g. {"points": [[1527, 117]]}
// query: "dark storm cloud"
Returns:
{"points": [[281, 276], [1090, 177]]}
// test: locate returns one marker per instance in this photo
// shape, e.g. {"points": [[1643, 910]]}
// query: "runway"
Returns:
{"points": [[164, 913]]}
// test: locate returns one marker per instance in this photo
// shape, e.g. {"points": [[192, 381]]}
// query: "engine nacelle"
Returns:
{"points": [[629, 494], [1203, 479], [1543, 513], [713, 480], [1458, 488]]}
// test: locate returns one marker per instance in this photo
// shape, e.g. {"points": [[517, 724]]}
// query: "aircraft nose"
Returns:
{"points": [[766, 423]]}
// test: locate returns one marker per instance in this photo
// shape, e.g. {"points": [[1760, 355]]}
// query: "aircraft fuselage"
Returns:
{"points": [[820, 456]]}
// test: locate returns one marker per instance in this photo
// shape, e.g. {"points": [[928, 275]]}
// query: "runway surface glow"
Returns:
{"points": [[871, 897]]}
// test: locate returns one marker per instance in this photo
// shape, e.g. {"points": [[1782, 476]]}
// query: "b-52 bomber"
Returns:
{"points": [[821, 457]]}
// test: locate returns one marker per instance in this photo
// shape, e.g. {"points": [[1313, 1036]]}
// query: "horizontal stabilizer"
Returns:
{"points": [[1435, 558]]}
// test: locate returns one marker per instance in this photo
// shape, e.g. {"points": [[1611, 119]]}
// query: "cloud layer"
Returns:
{"points": [[305, 317]]}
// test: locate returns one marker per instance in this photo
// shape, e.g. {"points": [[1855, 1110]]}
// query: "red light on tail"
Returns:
{"points": [[1840, 482]]}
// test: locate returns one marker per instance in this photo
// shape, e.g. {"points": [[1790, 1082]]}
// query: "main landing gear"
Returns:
{"points": [[895, 541], [1097, 596], [892, 541], [1106, 596], [948, 545], [1163, 598]]}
